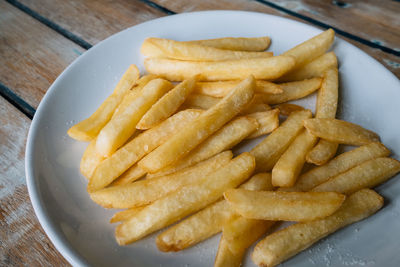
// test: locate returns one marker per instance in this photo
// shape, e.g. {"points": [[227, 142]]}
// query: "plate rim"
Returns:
{"points": [[56, 237]]}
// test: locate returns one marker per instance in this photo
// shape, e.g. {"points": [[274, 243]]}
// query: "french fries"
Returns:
{"points": [[88, 129], [283, 244], [289, 165], [268, 152], [206, 124], [112, 167], [312, 48], [90, 160], [294, 90], [261, 68], [194, 52], [120, 128], [206, 222], [236, 43], [221, 89], [313, 69], [186, 160], [366, 175], [225, 138], [338, 165], [326, 108], [283, 206], [167, 105], [189, 199], [267, 121], [285, 108], [339, 131], [146, 191]]}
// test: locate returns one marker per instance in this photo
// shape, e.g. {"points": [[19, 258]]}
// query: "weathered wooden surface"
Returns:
{"points": [[32, 55], [23, 241]]}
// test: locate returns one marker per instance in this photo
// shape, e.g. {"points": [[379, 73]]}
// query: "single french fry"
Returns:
{"points": [[130, 96], [90, 160], [121, 127], [294, 90], [269, 150], [89, 128], [194, 133], [201, 101], [125, 214], [283, 206], [338, 165], [167, 105], [285, 108], [206, 222], [289, 165], [236, 43], [281, 245], [313, 69], [312, 48], [239, 234], [366, 175], [194, 52], [146, 191], [225, 138], [326, 108], [267, 121], [130, 175], [338, 131], [261, 68], [189, 199], [221, 89], [112, 167]]}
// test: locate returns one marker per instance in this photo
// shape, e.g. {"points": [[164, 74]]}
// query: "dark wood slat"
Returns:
{"points": [[32, 54], [94, 20], [391, 62], [23, 241]]}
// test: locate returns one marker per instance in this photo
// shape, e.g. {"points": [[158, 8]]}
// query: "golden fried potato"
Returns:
{"points": [[236, 43]]}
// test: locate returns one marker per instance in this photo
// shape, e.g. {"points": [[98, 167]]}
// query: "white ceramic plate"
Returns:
{"points": [[370, 96]]}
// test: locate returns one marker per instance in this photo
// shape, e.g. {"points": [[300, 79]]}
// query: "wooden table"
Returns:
{"points": [[39, 39]]}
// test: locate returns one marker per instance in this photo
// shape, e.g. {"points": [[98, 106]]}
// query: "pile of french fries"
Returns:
{"points": [[161, 149]]}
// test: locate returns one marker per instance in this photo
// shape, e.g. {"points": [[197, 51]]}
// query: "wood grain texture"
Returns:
{"points": [[23, 241], [375, 21], [391, 62], [94, 20], [32, 55]]}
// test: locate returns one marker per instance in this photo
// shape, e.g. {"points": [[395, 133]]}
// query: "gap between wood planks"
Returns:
{"points": [[29, 111]]}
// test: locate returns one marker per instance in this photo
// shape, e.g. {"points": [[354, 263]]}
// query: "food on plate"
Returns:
{"points": [[283, 206], [287, 242], [206, 222], [342, 132], [167, 105], [338, 165], [118, 130], [294, 90], [221, 89], [268, 152], [88, 129], [197, 131], [289, 165], [189, 199], [164, 162], [165, 48], [261, 68]]}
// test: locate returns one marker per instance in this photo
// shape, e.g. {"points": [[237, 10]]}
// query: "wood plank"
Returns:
{"points": [[32, 55], [23, 241], [94, 20], [375, 21], [390, 61]]}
